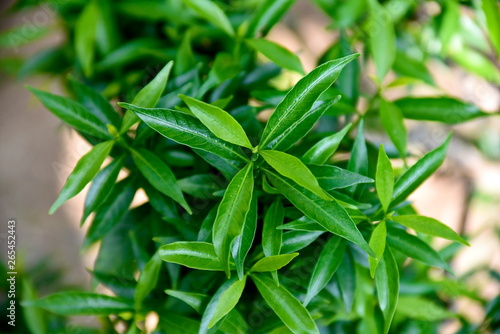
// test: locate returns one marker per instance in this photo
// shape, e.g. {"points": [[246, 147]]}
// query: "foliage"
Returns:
{"points": [[250, 226]]}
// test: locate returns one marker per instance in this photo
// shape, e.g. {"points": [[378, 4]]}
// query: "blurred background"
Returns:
{"points": [[38, 153]]}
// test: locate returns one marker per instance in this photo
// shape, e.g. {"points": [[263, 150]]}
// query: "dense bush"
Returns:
{"points": [[255, 224]]}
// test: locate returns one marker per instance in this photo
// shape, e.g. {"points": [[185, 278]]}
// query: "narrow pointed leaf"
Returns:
{"points": [[419, 172], [159, 175], [492, 14], [333, 177], [303, 224], [227, 301], [147, 280], [325, 148], [294, 241], [301, 97], [358, 162], [392, 121], [196, 255], [212, 13], [83, 303], [285, 305], [329, 214], [377, 243], [220, 122], [329, 260], [85, 170], [387, 281], [195, 300], [72, 113], [346, 280], [187, 130], [267, 15], [277, 54], [291, 167], [232, 213], [382, 38], [85, 37], [384, 179], [415, 248], [215, 301], [147, 97], [272, 263], [429, 226], [244, 242], [271, 236]]}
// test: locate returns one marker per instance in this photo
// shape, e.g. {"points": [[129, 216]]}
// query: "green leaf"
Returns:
{"points": [[277, 54], [85, 170], [346, 280], [387, 281], [271, 236], [184, 59], [159, 175], [147, 280], [382, 38], [243, 242], [200, 185], [303, 224], [85, 37], [301, 97], [95, 103], [384, 179], [147, 97], [220, 122], [291, 167], [412, 68], [492, 14], [196, 255], [111, 211], [415, 248], [328, 214], [71, 112], [267, 15], [325, 148], [328, 261], [377, 243], [333, 177], [303, 125], [419, 308], [419, 172], [285, 305], [212, 13], [429, 226], [34, 317], [82, 303], [294, 241], [101, 187], [358, 162], [227, 301], [195, 300], [172, 323], [439, 109], [187, 130], [392, 121], [273, 262], [232, 213]]}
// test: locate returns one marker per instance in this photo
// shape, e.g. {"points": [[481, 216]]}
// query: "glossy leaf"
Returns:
{"points": [[196, 255], [294, 241], [272, 263], [232, 213], [243, 242], [200, 185], [159, 175], [285, 305], [147, 97], [429, 226], [228, 300], [346, 280], [220, 122], [419, 172], [271, 236], [73, 113], [195, 300], [387, 281], [392, 121], [277, 54], [303, 224], [147, 280], [384, 179], [267, 15], [291, 167], [82, 303], [419, 308], [101, 187], [301, 97], [85, 37], [415, 248], [440, 109], [212, 13], [85, 170], [333, 177], [328, 214], [377, 243], [328, 261], [358, 162], [325, 148], [187, 130]]}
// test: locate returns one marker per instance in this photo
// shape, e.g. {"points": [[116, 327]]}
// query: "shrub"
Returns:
{"points": [[256, 225]]}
